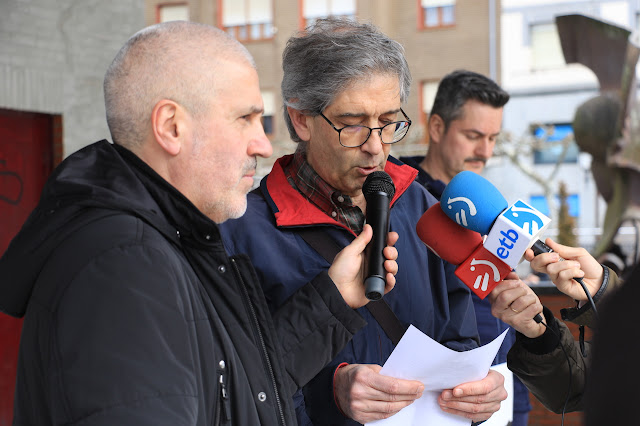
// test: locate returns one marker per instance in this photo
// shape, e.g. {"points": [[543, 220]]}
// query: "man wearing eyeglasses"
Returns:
{"points": [[343, 87]]}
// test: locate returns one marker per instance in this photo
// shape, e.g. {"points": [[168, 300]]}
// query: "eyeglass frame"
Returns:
{"points": [[371, 129]]}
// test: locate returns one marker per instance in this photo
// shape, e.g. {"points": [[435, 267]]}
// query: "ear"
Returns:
{"points": [[168, 125], [300, 123], [436, 128]]}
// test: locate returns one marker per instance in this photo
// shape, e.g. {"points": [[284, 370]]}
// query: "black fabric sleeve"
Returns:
{"points": [[553, 373], [313, 326], [545, 343]]}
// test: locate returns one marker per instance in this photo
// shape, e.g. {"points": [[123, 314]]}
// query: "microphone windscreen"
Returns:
{"points": [[379, 181], [472, 201], [447, 239]]}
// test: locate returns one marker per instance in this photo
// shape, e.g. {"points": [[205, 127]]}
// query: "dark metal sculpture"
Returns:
{"points": [[608, 125]]}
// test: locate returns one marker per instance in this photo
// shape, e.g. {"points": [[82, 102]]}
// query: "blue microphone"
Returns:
{"points": [[472, 202]]}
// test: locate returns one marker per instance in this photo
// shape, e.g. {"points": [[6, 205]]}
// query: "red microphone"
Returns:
{"points": [[446, 238], [478, 269]]}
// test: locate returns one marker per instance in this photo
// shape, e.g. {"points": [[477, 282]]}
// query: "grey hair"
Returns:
{"points": [[171, 60], [328, 56]]}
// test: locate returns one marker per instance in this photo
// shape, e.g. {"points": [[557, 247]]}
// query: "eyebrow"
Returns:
{"points": [[478, 132], [254, 109], [362, 114]]}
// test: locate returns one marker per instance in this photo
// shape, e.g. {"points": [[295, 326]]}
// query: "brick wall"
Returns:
{"points": [[554, 300]]}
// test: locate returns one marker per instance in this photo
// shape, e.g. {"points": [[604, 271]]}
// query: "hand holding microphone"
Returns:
{"points": [[564, 264], [515, 303]]}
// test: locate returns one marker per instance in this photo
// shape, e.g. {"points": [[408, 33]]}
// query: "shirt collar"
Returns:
{"points": [[332, 202]]}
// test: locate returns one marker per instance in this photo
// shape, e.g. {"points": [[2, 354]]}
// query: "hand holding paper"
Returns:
{"points": [[364, 395], [471, 400], [418, 357]]}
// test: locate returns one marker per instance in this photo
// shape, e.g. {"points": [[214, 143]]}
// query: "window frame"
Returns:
{"points": [[558, 62], [422, 15], [243, 32], [269, 95], [303, 22], [159, 6], [540, 156]]}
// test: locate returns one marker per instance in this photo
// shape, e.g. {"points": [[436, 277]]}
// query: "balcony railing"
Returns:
{"points": [[251, 31]]}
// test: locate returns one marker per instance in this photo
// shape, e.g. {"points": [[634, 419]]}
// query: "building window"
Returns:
{"points": [[314, 9], [546, 51], [248, 20], [539, 202], [172, 12], [553, 135], [269, 100], [437, 13]]}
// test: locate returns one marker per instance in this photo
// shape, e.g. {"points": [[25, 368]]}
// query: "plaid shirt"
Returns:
{"points": [[303, 178]]}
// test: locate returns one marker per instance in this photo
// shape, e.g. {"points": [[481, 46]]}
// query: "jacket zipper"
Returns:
{"points": [[223, 414], [261, 338]]}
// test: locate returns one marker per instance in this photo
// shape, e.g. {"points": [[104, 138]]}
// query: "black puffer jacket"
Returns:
{"points": [[136, 315]]}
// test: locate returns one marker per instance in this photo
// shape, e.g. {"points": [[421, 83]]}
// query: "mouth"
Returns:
{"points": [[367, 170], [249, 169]]}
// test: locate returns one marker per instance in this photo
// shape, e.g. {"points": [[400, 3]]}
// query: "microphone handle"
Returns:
{"points": [[378, 218]]}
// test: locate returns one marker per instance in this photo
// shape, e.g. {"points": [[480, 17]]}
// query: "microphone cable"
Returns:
{"points": [[589, 298]]}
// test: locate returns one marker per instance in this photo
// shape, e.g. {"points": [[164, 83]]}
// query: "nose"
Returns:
{"points": [[260, 144], [373, 145], [484, 148]]}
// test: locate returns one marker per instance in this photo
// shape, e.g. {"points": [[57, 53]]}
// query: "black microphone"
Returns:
{"points": [[378, 190]]}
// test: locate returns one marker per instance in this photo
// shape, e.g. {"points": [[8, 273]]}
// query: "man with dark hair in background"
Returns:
{"points": [[465, 120], [344, 85]]}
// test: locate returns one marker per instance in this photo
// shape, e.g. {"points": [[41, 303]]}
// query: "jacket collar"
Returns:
{"points": [[291, 208]]}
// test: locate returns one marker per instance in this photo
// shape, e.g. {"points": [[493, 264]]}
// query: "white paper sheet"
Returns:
{"points": [[504, 415], [419, 357]]}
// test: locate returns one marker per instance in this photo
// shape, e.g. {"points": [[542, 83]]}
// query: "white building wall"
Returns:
{"points": [[53, 56]]}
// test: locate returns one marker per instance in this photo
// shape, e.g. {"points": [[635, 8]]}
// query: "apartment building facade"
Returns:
{"points": [[439, 36]]}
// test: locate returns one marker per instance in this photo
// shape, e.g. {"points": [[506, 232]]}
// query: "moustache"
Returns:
{"points": [[250, 166], [484, 160]]}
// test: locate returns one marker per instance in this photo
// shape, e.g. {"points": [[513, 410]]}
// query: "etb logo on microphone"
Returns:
{"points": [[482, 271], [514, 231]]}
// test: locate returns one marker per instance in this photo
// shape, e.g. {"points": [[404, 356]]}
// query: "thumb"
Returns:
{"points": [[360, 242]]}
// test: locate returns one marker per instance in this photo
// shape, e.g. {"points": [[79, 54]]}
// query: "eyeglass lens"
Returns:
{"points": [[352, 136]]}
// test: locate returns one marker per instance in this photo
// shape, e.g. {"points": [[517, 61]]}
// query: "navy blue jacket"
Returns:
{"points": [[427, 293], [489, 327]]}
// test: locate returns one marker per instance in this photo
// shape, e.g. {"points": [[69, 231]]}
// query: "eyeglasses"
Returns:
{"points": [[355, 136]]}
